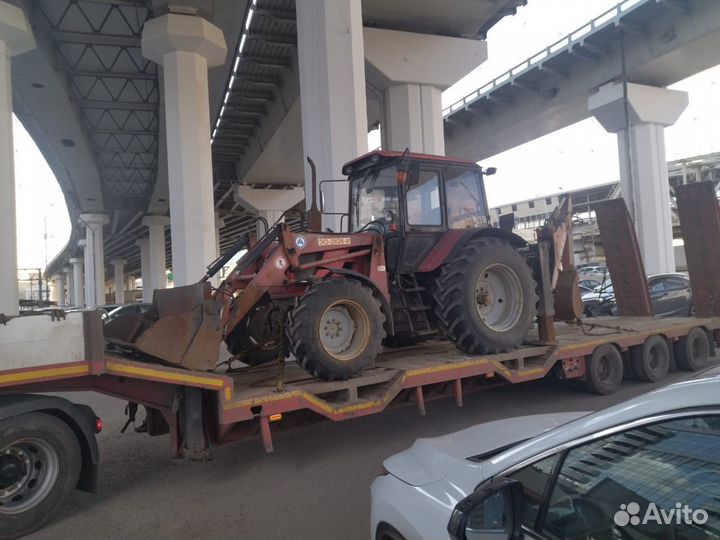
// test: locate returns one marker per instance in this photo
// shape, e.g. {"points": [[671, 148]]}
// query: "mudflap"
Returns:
{"points": [[187, 331]]}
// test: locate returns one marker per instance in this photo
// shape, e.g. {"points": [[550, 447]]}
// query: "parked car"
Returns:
{"points": [[568, 475], [126, 309], [597, 302], [670, 296], [589, 283], [595, 273]]}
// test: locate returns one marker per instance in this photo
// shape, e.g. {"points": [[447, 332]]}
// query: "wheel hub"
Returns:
{"points": [[338, 329], [499, 297], [28, 471], [13, 470]]}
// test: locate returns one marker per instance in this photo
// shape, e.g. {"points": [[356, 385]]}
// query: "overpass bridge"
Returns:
{"points": [[615, 68], [145, 108], [118, 115]]}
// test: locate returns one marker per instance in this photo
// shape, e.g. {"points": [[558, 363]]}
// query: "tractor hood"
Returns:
{"points": [[429, 460]]}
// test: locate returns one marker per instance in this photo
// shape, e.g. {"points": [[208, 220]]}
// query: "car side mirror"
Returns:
{"points": [[492, 512], [490, 171]]}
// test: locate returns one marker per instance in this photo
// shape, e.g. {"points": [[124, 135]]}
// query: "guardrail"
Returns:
{"points": [[609, 17]]}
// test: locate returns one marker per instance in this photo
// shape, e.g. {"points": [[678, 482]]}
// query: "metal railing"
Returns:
{"points": [[611, 16]]}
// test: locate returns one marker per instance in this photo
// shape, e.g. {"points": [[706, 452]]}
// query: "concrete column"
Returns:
{"points": [[78, 299], [268, 203], [643, 167], [15, 38], [94, 258], [156, 250], [147, 290], [186, 46], [119, 278], [68, 272], [412, 118], [412, 70], [60, 289], [334, 123]]}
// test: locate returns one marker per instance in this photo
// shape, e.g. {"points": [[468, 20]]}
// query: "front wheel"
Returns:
{"points": [[485, 297], [337, 329], [40, 464]]}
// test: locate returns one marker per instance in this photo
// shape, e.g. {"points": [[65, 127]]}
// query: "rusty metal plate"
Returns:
{"points": [[700, 223], [624, 262]]}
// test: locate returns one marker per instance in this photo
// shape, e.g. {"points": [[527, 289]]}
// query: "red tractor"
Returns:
{"points": [[421, 260]]}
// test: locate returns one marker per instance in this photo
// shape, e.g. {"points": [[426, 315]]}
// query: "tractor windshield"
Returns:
{"points": [[374, 197], [466, 206]]}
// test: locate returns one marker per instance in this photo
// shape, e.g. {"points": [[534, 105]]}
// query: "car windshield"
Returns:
{"points": [[374, 197]]}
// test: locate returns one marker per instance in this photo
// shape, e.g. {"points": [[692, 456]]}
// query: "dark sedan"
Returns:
{"points": [[670, 296]]}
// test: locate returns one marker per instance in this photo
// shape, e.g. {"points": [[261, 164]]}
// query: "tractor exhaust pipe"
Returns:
{"points": [[314, 218]]}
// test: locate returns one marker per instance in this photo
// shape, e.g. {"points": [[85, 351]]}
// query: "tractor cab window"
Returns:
{"points": [[423, 199], [374, 198], [466, 207]]}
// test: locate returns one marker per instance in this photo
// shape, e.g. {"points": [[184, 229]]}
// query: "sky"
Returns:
{"points": [[577, 156]]}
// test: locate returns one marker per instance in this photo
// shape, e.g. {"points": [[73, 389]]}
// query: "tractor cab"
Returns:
{"points": [[413, 200]]}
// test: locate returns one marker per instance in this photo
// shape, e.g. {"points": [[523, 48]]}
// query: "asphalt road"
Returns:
{"points": [[315, 485]]}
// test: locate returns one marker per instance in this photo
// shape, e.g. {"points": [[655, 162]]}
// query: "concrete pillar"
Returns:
{"points": [[219, 224], [94, 258], [643, 166], [119, 278], [412, 70], [147, 290], [78, 299], [412, 118], [68, 272], [156, 250], [268, 203], [334, 123], [60, 289], [186, 46], [15, 38]]}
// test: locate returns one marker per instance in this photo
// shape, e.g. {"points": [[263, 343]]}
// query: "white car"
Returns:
{"points": [[647, 468]]}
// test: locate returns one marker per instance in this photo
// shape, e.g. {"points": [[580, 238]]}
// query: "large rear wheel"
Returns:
{"points": [[485, 297], [337, 329]]}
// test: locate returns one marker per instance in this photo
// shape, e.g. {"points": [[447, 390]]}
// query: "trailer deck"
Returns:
{"points": [[249, 398]]}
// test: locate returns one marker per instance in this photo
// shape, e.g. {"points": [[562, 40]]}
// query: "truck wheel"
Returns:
{"points": [[693, 351], [485, 297], [651, 360], [603, 370], [337, 329], [253, 338], [40, 464]]}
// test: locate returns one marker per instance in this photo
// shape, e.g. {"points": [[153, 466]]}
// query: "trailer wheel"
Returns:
{"points": [[651, 360], [337, 329], [40, 462], [604, 370], [693, 351], [485, 297]]}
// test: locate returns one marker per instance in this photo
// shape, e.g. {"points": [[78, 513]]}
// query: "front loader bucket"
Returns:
{"points": [[183, 328]]}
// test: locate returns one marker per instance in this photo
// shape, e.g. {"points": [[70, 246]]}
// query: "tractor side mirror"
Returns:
{"points": [[489, 171]]}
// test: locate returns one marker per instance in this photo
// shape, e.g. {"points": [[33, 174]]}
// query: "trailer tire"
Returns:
{"points": [[42, 463], [651, 360], [603, 370], [336, 329], [492, 269], [692, 352]]}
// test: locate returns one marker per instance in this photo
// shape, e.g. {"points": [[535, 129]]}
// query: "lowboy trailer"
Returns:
{"points": [[53, 438], [47, 443]]}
